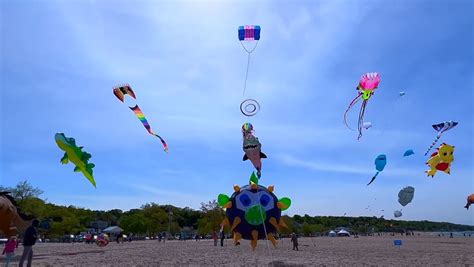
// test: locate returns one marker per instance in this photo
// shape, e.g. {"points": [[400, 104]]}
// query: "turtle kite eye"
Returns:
{"points": [[245, 200], [264, 200]]}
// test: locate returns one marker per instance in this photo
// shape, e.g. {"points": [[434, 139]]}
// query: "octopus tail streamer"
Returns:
{"points": [[361, 118], [353, 102]]}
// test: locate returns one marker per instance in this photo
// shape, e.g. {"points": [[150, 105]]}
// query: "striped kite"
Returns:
{"points": [[120, 92], [441, 128]]}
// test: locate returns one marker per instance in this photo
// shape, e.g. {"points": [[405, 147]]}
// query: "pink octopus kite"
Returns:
{"points": [[367, 84]]}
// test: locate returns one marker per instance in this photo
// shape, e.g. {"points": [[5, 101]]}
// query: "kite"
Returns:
{"points": [[249, 107], [409, 152], [249, 34], [75, 155], [367, 85], [254, 212], [441, 128], [397, 213], [252, 148], [120, 92], [441, 160], [380, 163], [470, 200], [406, 195], [402, 93], [367, 125]]}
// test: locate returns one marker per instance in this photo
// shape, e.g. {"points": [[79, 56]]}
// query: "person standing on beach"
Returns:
{"points": [[29, 240], [294, 239], [9, 250], [214, 236], [222, 237]]}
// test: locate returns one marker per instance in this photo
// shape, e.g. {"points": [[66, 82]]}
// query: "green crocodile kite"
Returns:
{"points": [[75, 155]]}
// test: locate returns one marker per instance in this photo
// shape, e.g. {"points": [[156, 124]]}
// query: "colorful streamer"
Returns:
{"points": [[145, 123]]}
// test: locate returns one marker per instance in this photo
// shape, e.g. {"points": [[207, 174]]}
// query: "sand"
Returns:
{"points": [[346, 251]]}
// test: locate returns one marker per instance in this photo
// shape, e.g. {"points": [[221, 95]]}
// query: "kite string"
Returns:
{"points": [[266, 234], [246, 74], [248, 64]]}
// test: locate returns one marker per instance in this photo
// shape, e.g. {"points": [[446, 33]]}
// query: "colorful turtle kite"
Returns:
{"points": [[441, 160], [253, 212], [380, 162], [120, 92], [441, 128], [252, 148], [406, 195], [75, 155], [470, 200], [367, 84]]}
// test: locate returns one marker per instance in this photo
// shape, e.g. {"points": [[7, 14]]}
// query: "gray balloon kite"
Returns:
{"points": [[406, 195], [397, 214]]}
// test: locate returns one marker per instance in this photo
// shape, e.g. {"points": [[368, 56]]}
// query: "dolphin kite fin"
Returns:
{"points": [[245, 157], [77, 169], [262, 155]]}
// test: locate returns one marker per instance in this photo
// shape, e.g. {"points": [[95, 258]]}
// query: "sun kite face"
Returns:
{"points": [[254, 212]]}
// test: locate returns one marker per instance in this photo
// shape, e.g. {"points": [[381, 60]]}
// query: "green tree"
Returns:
{"points": [[25, 190], [212, 217]]}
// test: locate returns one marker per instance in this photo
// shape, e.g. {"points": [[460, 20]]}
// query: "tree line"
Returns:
{"points": [[152, 218]]}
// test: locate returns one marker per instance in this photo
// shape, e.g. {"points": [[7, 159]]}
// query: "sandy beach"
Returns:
{"points": [[347, 251]]}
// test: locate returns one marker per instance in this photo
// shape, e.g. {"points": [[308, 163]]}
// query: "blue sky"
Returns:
{"points": [[60, 60]]}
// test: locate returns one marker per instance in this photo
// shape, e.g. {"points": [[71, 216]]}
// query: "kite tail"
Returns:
{"points": [[165, 146], [434, 143], [361, 118], [373, 178], [355, 100], [145, 123]]}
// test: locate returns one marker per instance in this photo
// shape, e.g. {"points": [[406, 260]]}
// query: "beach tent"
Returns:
{"points": [[332, 233], [112, 230], [343, 233]]}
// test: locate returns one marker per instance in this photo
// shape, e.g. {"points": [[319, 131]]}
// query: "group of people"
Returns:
{"points": [[215, 237], [29, 240]]}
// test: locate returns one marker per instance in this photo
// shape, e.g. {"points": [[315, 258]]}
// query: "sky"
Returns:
{"points": [[61, 59]]}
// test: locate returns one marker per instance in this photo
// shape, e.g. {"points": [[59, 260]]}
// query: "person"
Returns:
{"points": [[9, 250], [159, 237], [196, 237], [451, 235], [214, 236], [222, 237], [294, 239], [29, 240]]}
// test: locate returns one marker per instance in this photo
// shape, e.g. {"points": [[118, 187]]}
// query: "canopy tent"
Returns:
{"points": [[113, 230], [332, 233], [343, 233]]}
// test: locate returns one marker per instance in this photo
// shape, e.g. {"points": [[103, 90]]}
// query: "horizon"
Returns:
{"points": [[60, 61]]}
